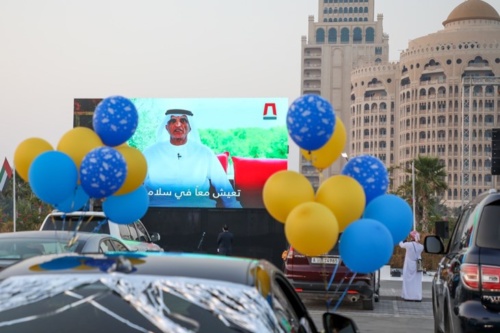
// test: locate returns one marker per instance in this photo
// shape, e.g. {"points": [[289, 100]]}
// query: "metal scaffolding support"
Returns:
{"points": [[468, 85]]}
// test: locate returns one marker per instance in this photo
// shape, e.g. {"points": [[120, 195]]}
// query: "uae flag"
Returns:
{"points": [[5, 173]]}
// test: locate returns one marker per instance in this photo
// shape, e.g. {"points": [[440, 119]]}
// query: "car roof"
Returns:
{"points": [[485, 198], [79, 213], [52, 234], [212, 267]]}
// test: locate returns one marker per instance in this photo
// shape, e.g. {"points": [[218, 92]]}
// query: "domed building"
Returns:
{"points": [[441, 99]]}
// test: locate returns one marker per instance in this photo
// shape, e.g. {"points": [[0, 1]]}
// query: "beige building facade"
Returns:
{"points": [[441, 99]]}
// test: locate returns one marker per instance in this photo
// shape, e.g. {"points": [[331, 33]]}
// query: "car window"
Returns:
{"points": [[118, 246], [16, 248], [124, 232], [105, 246], [133, 232], [141, 231], [82, 223], [459, 234], [488, 231]]}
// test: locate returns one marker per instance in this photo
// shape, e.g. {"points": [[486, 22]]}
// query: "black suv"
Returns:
{"points": [[466, 287]]}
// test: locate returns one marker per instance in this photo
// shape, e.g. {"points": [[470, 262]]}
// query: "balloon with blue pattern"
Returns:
{"points": [[115, 120], [102, 172], [370, 172], [310, 121]]}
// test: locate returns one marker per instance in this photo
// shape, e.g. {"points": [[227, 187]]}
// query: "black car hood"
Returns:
{"points": [[130, 303]]}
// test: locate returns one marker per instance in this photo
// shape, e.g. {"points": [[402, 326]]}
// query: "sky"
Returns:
{"points": [[57, 50]]}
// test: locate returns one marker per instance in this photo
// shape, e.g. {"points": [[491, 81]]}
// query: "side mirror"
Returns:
{"points": [[337, 323], [434, 245], [155, 237]]}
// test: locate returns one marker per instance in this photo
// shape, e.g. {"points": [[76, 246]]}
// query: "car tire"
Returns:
{"points": [[369, 303]]}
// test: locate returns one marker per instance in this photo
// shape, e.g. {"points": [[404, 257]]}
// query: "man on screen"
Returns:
{"points": [[181, 170]]}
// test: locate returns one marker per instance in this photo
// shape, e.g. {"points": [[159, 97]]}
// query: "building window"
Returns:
{"points": [[378, 50], [357, 37], [344, 35], [370, 35], [332, 36], [320, 36]]}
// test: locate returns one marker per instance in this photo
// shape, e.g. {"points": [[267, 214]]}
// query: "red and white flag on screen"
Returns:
{"points": [[5, 173]]}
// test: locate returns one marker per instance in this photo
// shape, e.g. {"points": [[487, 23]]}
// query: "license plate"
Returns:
{"points": [[319, 260]]}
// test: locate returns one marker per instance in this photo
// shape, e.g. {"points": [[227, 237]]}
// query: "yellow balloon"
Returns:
{"points": [[26, 152], [77, 142], [344, 196], [283, 191], [323, 157], [137, 169], [312, 229], [262, 280]]}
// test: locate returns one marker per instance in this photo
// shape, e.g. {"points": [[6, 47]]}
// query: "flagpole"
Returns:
{"points": [[413, 191], [14, 215]]}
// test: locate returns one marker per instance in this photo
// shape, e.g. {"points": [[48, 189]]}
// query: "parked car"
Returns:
{"points": [[16, 246], [153, 292], [312, 275], [134, 235], [466, 286]]}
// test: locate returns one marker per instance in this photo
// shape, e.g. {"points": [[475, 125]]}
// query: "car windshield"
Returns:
{"points": [[488, 232], [127, 303], [91, 223], [20, 248]]}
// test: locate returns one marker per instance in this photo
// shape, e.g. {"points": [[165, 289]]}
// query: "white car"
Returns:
{"points": [[134, 235]]}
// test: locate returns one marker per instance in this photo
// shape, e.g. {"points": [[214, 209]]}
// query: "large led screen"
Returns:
{"points": [[206, 152]]}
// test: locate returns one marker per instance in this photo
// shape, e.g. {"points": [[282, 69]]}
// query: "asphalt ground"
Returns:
{"points": [[391, 313]]}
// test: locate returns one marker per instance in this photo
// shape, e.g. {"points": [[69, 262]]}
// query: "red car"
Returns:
{"points": [[312, 275]]}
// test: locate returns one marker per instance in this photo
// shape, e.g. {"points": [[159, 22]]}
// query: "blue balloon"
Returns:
{"points": [[127, 208], [74, 202], [395, 213], [53, 176], [63, 263], [310, 121], [102, 264], [102, 172], [115, 120], [370, 172], [365, 246]]}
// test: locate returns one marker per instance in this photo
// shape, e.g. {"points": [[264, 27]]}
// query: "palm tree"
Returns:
{"points": [[30, 209], [430, 184]]}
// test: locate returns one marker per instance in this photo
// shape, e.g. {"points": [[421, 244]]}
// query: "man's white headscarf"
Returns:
{"points": [[163, 135], [415, 235]]}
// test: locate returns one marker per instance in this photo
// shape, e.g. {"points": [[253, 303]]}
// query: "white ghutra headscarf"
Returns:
{"points": [[162, 133]]}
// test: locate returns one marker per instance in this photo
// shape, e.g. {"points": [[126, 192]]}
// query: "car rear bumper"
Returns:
{"points": [[473, 316], [361, 288]]}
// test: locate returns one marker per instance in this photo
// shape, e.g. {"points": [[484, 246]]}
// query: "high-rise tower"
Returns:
{"points": [[346, 36]]}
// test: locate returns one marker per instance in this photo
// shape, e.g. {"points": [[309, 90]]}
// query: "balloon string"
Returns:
{"points": [[331, 281], [344, 293], [335, 292], [333, 274], [320, 176]]}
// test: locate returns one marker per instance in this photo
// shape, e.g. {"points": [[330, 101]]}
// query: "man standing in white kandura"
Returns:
{"points": [[412, 278], [181, 169]]}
